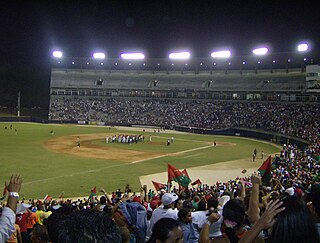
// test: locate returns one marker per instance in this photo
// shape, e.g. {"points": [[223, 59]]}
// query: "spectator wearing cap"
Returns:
{"points": [[166, 210]]}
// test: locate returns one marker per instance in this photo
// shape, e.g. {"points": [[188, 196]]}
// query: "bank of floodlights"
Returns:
{"points": [[303, 47], [260, 51], [132, 56], [179, 55], [57, 54], [99, 55], [221, 54]]}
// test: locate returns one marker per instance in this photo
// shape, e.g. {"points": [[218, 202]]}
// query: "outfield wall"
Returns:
{"points": [[250, 133]]}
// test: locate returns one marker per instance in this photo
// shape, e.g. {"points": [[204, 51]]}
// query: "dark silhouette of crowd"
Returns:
{"points": [[294, 119]]}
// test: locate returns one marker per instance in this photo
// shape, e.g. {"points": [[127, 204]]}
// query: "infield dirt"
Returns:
{"points": [[208, 174]]}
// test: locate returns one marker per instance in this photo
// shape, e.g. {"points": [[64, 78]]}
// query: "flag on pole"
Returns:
{"points": [[158, 186], [47, 198], [265, 171], [61, 195], [93, 192], [176, 175], [196, 182]]}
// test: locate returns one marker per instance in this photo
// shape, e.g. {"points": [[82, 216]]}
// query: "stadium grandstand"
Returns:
{"points": [[179, 94]]}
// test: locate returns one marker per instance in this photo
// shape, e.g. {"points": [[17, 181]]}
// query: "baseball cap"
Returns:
{"points": [[169, 198], [22, 208], [290, 191]]}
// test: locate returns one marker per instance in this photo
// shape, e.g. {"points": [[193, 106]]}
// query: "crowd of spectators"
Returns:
{"points": [[294, 119], [285, 209]]}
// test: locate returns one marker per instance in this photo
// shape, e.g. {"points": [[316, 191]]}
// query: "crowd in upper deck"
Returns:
{"points": [[294, 119]]}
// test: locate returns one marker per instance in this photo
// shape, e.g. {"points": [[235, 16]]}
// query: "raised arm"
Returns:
{"points": [[253, 210], [8, 216], [266, 221]]}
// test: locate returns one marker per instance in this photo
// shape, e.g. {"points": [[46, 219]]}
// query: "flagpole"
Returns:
{"points": [[18, 114]]}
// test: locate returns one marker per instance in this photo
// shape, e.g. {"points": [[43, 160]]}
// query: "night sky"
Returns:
{"points": [[30, 30]]}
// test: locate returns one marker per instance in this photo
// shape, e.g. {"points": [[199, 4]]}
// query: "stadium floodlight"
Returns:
{"points": [[132, 56], [98, 55], [303, 47], [260, 51], [57, 54], [221, 54], [179, 55]]}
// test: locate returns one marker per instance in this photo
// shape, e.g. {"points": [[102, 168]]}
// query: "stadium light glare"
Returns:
{"points": [[179, 55], [57, 54], [221, 54], [260, 51], [303, 47], [132, 56], [98, 55]]}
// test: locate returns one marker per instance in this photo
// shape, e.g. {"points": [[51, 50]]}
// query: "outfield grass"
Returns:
{"points": [[47, 172]]}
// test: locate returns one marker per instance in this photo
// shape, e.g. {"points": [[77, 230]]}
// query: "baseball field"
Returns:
{"points": [[51, 162]]}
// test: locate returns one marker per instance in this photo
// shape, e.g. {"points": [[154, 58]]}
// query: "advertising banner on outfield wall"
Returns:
{"points": [[97, 123]]}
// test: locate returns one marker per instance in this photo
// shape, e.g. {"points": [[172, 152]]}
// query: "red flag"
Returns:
{"points": [[158, 186], [173, 172], [93, 192], [265, 168], [47, 198], [265, 171], [196, 182]]}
